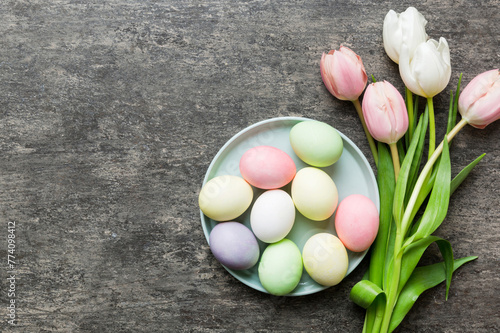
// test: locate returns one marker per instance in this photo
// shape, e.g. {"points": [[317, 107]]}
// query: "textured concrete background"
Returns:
{"points": [[111, 111]]}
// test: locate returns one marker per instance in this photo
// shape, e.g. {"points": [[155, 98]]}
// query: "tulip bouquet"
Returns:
{"points": [[414, 198]]}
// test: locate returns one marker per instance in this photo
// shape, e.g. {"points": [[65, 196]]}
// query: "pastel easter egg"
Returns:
{"points": [[316, 143], [234, 245], [314, 193], [356, 222], [272, 216], [224, 198], [267, 167], [280, 267], [325, 259]]}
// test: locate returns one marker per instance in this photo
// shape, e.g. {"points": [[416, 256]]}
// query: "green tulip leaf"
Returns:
{"points": [[388, 267], [455, 183], [422, 195], [415, 165], [401, 150], [374, 314], [449, 124], [437, 207], [422, 279], [453, 108], [415, 107], [447, 253], [365, 292], [386, 184], [413, 253], [412, 119], [455, 104], [399, 194], [366, 275]]}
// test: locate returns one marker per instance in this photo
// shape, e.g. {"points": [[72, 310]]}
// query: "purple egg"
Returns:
{"points": [[234, 245]]}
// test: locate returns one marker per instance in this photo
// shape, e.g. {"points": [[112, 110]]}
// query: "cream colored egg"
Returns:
{"points": [[314, 193], [224, 198], [325, 259]]}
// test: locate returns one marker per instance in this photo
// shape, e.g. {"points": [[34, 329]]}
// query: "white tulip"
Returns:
{"points": [[407, 27], [428, 72]]}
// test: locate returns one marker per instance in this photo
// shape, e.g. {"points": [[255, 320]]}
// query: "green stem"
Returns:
{"points": [[379, 316], [432, 127], [364, 327], [392, 288], [395, 159], [371, 142], [409, 101]]}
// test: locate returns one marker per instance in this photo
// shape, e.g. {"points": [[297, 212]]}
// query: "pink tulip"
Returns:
{"points": [[479, 102], [343, 73], [385, 112]]}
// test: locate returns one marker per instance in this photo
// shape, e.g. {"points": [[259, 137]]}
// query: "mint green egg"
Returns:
{"points": [[316, 143], [280, 267]]}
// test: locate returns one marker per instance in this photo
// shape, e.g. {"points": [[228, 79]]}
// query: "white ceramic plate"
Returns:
{"points": [[352, 174]]}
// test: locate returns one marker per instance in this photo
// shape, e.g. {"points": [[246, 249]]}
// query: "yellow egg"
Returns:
{"points": [[325, 259], [314, 194], [224, 198]]}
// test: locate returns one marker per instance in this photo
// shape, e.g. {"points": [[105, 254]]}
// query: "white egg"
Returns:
{"points": [[272, 216]]}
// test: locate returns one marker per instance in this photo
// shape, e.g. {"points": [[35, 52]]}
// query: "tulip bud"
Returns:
{"points": [[343, 73], [385, 112], [479, 102], [408, 26], [429, 71]]}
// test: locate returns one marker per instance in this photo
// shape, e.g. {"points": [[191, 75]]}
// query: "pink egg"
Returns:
{"points": [[356, 222], [267, 167]]}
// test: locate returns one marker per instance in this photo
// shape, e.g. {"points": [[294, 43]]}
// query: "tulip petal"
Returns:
{"points": [[407, 27], [413, 29], [406, 72], [429, 72], [385, 112], [392, 34], [434, 70], [324, 69], [343, 74], [479, 103]]}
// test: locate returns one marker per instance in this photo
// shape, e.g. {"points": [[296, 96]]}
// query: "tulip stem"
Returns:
{"points": [[409, 102], [395, 159], [371, 142], [432, 127]]}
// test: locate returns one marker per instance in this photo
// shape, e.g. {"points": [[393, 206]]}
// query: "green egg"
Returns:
{"points": [[316, 143], [280, 267]]}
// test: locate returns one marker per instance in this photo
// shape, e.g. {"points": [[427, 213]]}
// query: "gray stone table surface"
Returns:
{"points": [[111, 112]]}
